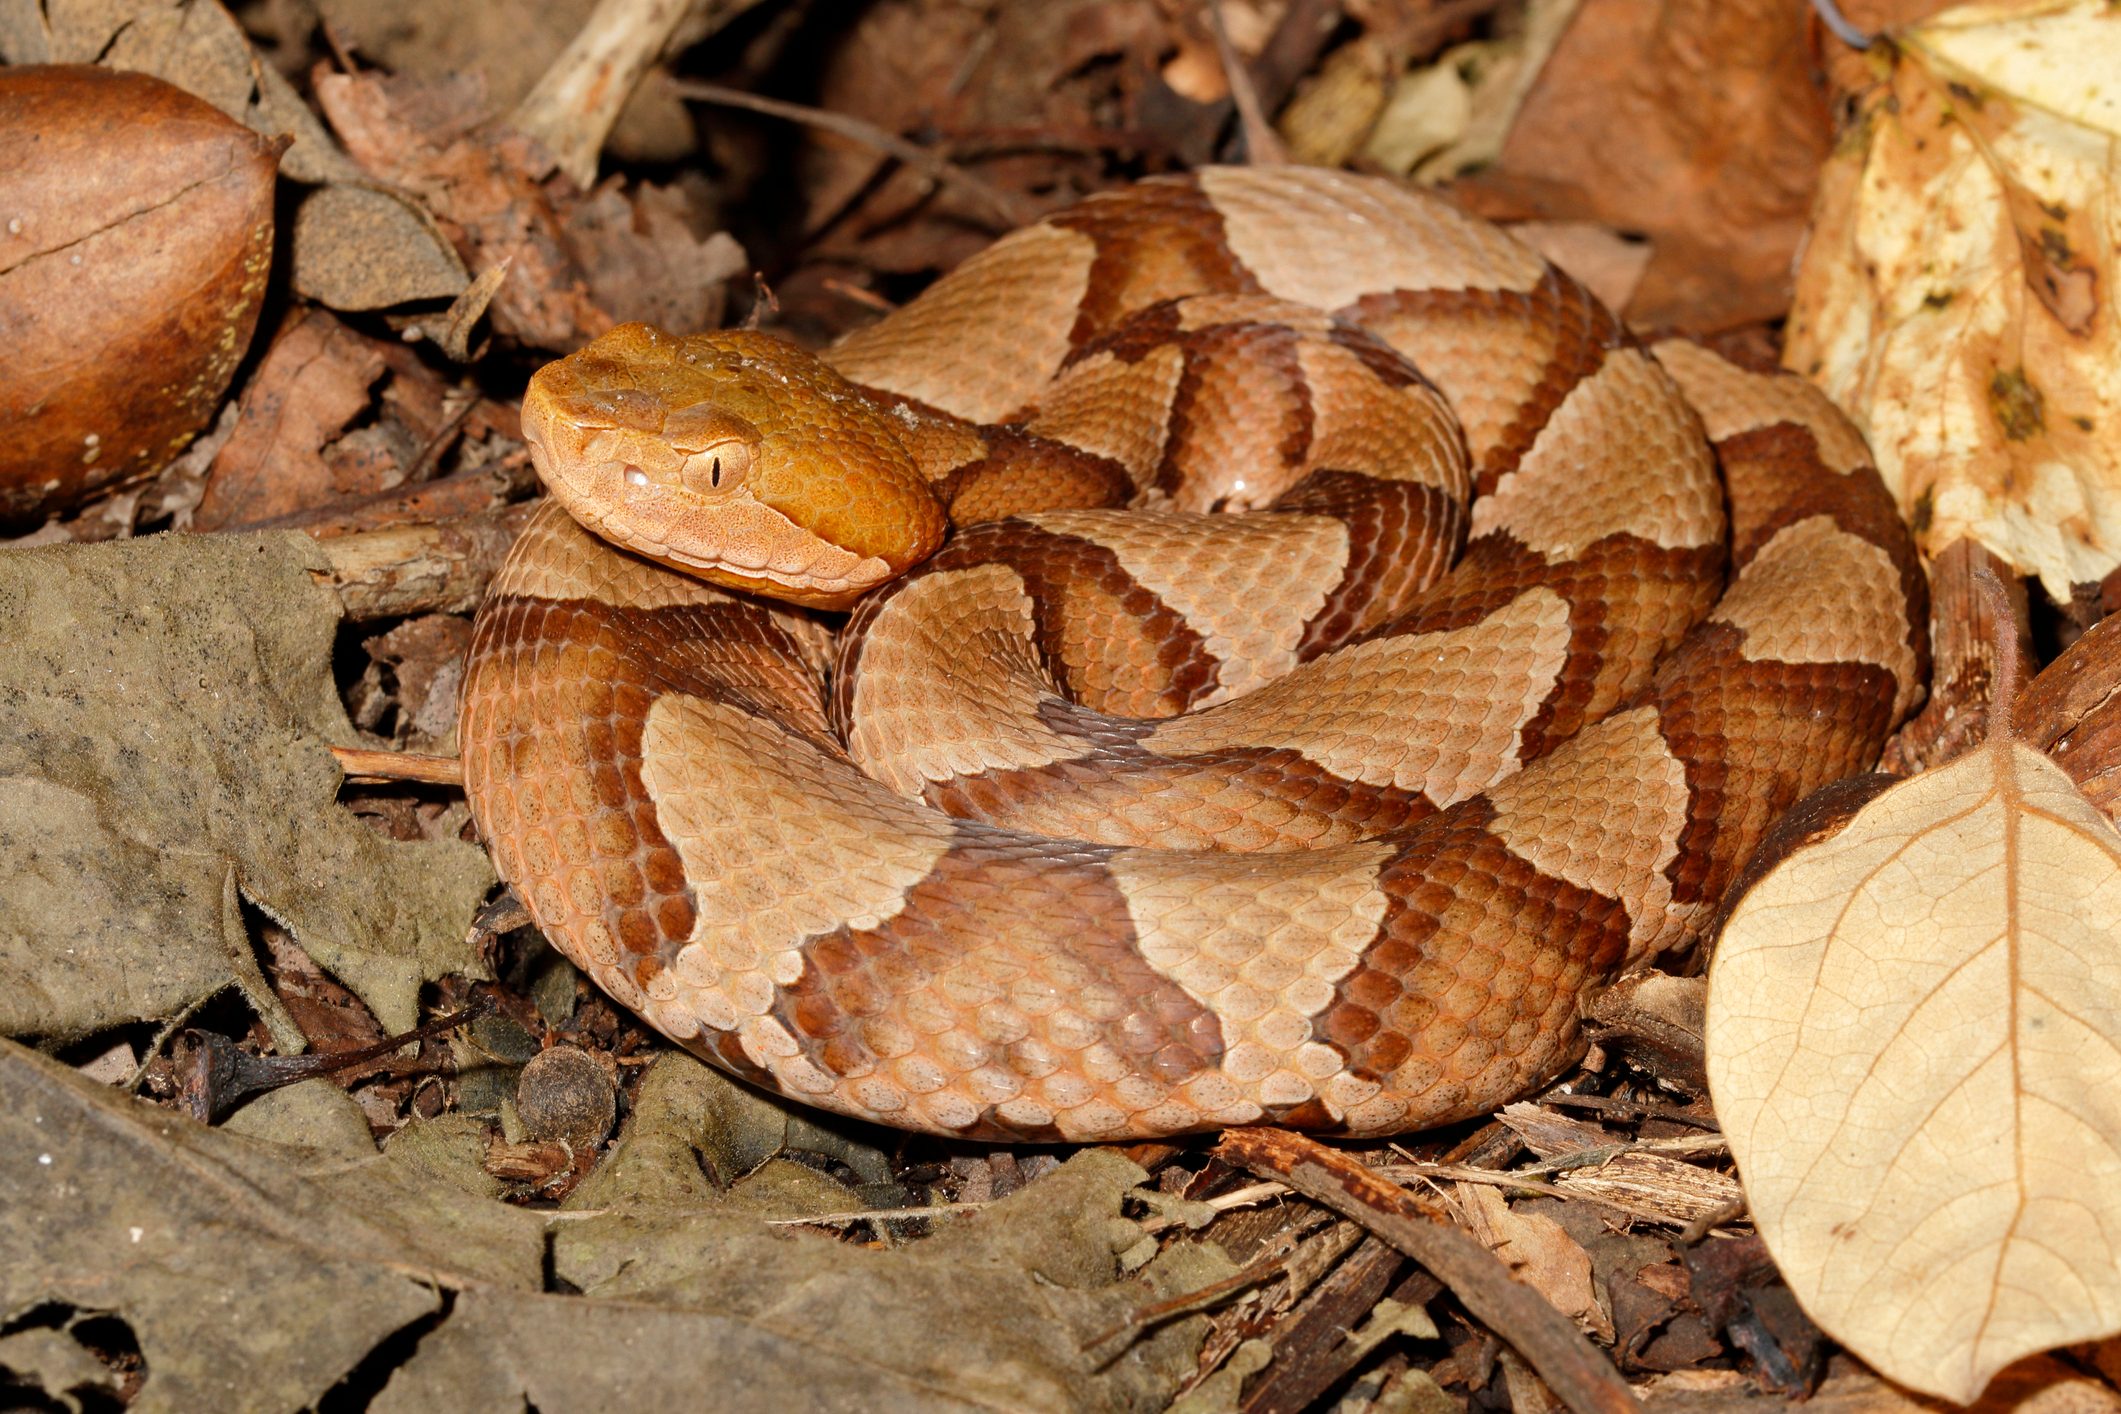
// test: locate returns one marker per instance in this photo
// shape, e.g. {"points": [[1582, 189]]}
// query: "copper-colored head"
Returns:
{"points": [[733, 456]]}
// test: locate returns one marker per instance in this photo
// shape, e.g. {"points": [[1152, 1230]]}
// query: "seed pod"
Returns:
{"points": [[135, 243]]}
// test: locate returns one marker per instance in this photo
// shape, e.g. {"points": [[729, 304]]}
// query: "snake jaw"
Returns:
{"points": [[736, 458], [671, 506]]}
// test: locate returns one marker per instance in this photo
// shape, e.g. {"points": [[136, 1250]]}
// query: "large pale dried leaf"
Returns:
{"points": [[1955, 297], [1914, 1045]]}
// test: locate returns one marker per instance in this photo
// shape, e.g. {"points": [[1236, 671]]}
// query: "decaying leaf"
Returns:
{"points": [[1914, 1046], [164, 757], [1956, 294], [256, 1276]]}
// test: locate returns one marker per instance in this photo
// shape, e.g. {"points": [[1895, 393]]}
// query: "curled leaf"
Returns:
{"points": [[1914, 1045]]}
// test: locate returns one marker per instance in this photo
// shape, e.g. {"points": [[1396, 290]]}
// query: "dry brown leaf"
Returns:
{"points": [[1914, 1046], [1541, 1254], [310, 386], [1955, 294], [1697, 125]]}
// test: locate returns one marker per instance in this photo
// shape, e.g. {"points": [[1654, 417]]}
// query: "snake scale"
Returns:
{"points": [[1429, 677]]}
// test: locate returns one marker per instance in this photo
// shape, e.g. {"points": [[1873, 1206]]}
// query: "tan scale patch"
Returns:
{"points": [[1434, 712], [949, 685], [1604, 813], [1732, 400], [781, 843], [1327, 239], [1817, 594], [1248, 585], [1262, 941], [938, 445], [554, 558], [1621, 455], [1112, 408], [1361, 423], [983, 340]]}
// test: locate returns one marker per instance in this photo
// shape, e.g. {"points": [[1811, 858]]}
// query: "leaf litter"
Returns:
{"points": [[511, 1241]]}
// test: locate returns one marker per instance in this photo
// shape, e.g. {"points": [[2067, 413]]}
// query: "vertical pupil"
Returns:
{"points": [[714, 473]]}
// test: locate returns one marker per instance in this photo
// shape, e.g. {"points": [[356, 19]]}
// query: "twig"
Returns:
{"points": [[1263, 146], [416, 474], [1523, 1183], [931, 164], [1607, 1104], [1830, 15], [1715, 1217], [1292, 50], [376, 767], [220, 1077], [933, 1210], [572, 106], [1187, 1302], [1572, 1367]]}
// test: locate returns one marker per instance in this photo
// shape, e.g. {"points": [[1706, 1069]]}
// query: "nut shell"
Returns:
{"points": [[136, 227]]}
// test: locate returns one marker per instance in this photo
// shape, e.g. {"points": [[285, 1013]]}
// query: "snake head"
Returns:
{"points": [[734, 456]]}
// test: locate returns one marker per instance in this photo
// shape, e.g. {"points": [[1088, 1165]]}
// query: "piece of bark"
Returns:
{"points": [[1570, 1365], [1655, 1019], [1962, 639], [2072, 712], [1312, 1349], [421, 569]]}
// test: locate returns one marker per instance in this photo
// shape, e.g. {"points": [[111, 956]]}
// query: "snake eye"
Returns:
{"points": [[719, 468]]}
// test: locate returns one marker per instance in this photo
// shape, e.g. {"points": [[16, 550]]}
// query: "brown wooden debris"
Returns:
{"points": [[375, 766], [1655, 1019], [1575, 1370], [2072, 711], [1962, 640], [217, 1076], [420, 569]]}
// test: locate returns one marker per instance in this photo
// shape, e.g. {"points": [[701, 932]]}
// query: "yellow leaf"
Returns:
{"points": [[1956, 296], [1914, 1046]]}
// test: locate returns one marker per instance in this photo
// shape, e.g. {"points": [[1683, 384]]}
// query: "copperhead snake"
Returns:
{"points": [[1098, 823]]}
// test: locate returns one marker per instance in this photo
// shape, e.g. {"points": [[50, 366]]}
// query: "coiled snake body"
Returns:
{"points": [[1110, 824]]}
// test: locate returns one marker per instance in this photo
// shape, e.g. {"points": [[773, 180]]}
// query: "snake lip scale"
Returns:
{"points": [[1301, 648]]}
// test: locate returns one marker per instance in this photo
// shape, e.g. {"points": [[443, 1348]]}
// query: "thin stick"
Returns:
{"points": [[572, 106], [2003, 683], [1011, 208], [1572, 1367], [1830, 15], [1263, 146], [376, 767]]}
